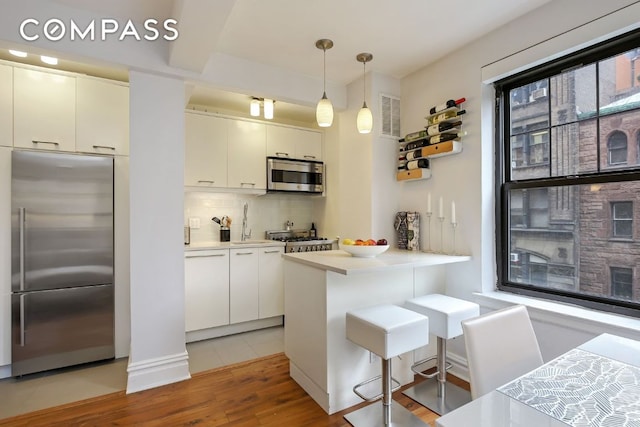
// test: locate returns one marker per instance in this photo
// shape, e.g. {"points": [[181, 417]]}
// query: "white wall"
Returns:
{"points": [[266, 212], [158, 353], [468, 178]]}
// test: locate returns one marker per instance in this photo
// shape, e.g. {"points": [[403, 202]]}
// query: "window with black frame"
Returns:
{"points": [[567, 191]]}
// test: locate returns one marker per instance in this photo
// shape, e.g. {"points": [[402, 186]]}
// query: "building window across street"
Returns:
{"points": [[622, 215], [568, 134]]}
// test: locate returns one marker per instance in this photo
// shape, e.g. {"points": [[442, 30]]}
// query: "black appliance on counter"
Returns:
{"points": [[301, 241]]}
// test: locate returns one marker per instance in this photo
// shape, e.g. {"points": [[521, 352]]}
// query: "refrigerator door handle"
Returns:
{"points": [[22, 320], [22, 219]]}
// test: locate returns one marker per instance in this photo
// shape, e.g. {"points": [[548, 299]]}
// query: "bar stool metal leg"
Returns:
{"points": [[386, 391], [440, 395]]}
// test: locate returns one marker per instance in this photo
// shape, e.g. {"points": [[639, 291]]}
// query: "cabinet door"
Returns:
{"points": [[206, 289], [309, 146], [243, 285], [44, 110], [102, 117], [247, 165], [6, 105], [281, 141], [271, 296], [5, 256], [293, 143], [205, 151]]}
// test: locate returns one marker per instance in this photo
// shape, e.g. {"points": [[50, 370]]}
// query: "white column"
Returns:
{"points": [[156, 161]]}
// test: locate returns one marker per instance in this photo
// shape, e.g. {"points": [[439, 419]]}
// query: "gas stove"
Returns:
{"points": [[301, 241]]}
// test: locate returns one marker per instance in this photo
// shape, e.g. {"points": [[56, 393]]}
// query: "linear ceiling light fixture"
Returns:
{"points": [[267, 105], [365, 118], [49, 60], [18, 53], [324, 110]]}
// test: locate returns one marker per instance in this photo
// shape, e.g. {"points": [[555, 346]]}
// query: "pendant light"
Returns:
{"points": [[365, 118], [254, 107], [324, 110], [268, 108]]}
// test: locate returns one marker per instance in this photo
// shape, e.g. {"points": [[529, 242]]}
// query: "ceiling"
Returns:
{"points": [[402, 35]]}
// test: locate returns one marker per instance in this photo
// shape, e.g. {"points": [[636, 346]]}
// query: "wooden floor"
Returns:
{"points": [[255, 393]]}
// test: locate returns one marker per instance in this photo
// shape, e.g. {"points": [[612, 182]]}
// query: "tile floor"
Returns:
{"points": [[39, 391]]}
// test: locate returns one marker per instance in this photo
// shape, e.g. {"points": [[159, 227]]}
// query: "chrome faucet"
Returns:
{"points": [[245, 235]]}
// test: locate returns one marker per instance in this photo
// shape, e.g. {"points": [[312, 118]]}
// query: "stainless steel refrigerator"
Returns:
{"points": [[62, 301]]}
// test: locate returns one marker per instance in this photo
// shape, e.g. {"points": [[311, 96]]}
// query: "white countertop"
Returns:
{"points": [[342, 262], [203, 246]]}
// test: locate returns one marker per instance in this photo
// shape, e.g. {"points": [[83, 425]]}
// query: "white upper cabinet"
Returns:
{"points": [[205, 151], [102, 117], [247, 164], [6, 105], [293, 143], [44, 110]]}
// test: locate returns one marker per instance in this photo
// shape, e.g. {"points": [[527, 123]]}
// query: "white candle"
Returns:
{"points": [[441, 212], [453, 212], [429, 203]]}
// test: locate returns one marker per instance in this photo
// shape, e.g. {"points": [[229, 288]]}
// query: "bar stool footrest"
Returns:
{"points": [[416, 371], [395, 385]]}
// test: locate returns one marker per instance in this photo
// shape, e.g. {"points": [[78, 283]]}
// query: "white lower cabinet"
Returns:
{"points": [[244, 284], [271, 287], [206, 289], [231, 286]]}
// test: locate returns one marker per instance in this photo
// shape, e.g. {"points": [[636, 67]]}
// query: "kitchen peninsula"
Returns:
{"points": [[319, 288]]}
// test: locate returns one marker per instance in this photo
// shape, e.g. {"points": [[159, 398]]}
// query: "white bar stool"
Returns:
{"points": [[388, 331], [445, 321]]}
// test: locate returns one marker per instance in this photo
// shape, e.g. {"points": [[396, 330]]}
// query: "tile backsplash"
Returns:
{"points": [[266, 212]]}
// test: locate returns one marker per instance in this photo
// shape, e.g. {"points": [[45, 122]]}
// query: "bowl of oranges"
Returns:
{"points": [[364, 248]]}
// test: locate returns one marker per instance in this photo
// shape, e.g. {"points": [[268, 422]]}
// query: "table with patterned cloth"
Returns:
{"points": [[594, 385]]}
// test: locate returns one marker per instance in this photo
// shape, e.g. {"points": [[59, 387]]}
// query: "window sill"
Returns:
{"points": [[565, 315]]}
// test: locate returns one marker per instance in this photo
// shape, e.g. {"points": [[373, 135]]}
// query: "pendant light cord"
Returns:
{"points": [[324, 71], [364, 84]]}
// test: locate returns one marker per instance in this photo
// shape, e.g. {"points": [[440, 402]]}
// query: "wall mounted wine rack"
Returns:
{"points": [[441, 137]]}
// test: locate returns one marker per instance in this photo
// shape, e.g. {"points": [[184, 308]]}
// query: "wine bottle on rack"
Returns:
{"points": [[441, 127], [450, 103], [443, 137], [416, 144], [412, 155], [445, 116], [417, 164], [415, 135]]}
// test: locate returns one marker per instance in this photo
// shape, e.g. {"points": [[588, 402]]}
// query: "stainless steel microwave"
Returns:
{"points": [[300, 176]]}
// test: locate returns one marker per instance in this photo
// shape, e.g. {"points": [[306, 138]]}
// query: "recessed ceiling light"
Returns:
{"points": [[18, 53], [49, 60]]}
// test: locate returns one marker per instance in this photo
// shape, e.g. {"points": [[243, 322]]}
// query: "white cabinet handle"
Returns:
{"points": [[244, 253], [104, 146], [277, 251], [208, 181], [282, 154], [307, 156], [253, 184]]}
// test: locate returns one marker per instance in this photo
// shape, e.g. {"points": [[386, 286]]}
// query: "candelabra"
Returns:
{"points": [[429, 231], [453, 248], [441, 219]]}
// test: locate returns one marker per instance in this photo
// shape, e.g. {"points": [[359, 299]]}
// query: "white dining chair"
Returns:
{"points": [[501, 346]]}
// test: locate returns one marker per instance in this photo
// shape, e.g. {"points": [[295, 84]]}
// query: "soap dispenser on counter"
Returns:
{"points": [[313, 233]]}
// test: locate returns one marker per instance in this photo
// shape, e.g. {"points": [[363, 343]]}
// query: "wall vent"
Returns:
{"points": [[390, 112]]}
